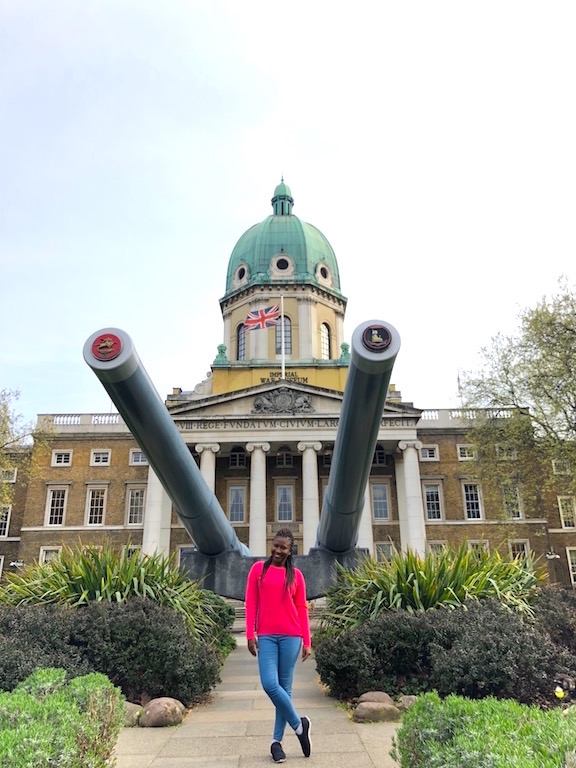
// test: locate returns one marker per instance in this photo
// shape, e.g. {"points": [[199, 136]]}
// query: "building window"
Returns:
{"points": [[466, 452], [131, 549], [237, 457], [56, 506], [284, 503], [512, 502], [506, 453], [48, 554], [136, 499], [9, 475], [571, 554], [433, 501], [100, 458], [567, 507], [479, 546], [61, 458], [4, 521], [325, 342], [472, 501], [284, 457], [429, 453], [236, 503], [241, 342], [95, 506], [327, 456], [436, 547], [287, 336], [380, 505], [383, 551], [379, 458], [519, 548], [137, 457]]}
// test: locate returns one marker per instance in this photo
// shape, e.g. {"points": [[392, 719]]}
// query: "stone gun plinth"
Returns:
{"points": [[221, 561]]}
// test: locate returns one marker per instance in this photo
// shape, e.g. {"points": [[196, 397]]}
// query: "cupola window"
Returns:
{"points": [[323, 275], [287, 337], [282, 266], [241, 342], [325, 342]]}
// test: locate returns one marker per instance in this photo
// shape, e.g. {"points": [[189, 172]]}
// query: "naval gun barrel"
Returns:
{"points": [[110, 353], [375, 345]]}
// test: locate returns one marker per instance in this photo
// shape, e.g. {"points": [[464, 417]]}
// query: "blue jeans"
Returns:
{"points": [[277, 657]]}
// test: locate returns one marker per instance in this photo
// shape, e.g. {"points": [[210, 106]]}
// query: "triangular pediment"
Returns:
{"points": [[276, 399]]}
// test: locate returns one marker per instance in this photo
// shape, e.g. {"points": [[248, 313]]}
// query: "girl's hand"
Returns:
{"points": [[306, 651], [253, 646]]}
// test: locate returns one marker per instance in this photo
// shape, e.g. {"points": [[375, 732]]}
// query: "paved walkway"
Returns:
{"points": [[234, 730]]}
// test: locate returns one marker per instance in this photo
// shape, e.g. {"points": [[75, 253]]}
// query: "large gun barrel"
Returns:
{"points": [[374, 348], [112, 356]]}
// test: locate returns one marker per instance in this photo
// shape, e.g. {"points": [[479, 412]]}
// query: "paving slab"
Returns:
{"points": [[234, 728]]}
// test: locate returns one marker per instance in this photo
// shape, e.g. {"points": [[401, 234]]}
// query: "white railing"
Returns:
{"points": [[81, 419], [447, 416], [105, 418]]}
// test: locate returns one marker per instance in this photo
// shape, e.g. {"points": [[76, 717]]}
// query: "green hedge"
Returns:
{"points": [[461, 733], [477, 651], [146, 649], [47, 722]]}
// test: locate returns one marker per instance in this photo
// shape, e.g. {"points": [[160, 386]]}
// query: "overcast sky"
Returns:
{"points": [[433, 143]]}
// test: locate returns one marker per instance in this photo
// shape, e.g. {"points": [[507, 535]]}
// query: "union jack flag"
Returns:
{"points": [[262, 318]]}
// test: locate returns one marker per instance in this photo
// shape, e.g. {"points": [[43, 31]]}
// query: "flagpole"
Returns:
{"points": [[282, 335]]}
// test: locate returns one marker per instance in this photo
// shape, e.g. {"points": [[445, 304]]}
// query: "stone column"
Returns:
{"points": [[307, 330], [208, 453], [157, 518], [411, 512], [310, 494], [257, 534]]}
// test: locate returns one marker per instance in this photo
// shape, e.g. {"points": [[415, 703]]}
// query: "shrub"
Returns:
{"points": [[460, 733], [146, 649], [480, 650], [36, 636], [555, 613], [46, 723], [223, 617], [486, 650], [88, 574], [417, 583], [344, 664]]}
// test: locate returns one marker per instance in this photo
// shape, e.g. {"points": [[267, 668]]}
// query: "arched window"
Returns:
{"points": [[241, 342], [287, 337], [379, 458], [237, 457], [284, 457], [325, 342]]}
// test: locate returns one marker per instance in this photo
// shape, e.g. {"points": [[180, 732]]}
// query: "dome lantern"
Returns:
{"points": [[282, 202]]}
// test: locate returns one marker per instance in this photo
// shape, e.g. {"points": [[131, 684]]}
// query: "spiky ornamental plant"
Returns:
{"points": [[416, 583], [84, 574]]}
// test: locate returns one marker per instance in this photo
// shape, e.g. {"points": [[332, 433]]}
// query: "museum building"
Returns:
{"points": [[262, 427]]}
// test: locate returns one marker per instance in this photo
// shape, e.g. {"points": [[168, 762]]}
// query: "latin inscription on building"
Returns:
{"points": [[312, 423]]}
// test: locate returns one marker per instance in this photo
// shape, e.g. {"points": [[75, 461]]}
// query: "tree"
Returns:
{"points": [[16, 439], [527, 384]]}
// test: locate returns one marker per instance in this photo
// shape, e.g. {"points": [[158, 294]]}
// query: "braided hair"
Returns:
{"points": [[285, 533]]}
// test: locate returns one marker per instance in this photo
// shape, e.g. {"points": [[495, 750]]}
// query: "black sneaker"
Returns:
{"points": [[278, 754], [304, 737]]}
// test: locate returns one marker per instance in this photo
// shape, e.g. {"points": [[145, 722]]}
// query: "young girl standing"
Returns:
{"points": [[277, 627]]}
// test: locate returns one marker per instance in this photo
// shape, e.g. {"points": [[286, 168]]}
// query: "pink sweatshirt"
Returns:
{"points": [[271, 611]]}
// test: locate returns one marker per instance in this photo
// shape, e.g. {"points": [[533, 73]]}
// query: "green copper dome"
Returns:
{"points": [[282, 249]]}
